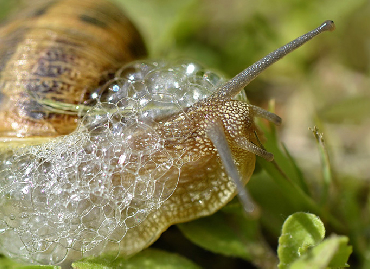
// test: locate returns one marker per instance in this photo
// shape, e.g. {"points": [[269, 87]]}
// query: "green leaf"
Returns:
{"points": [[343, 252], [300, 232], [270, 197], [230, 233], [6, 263], [286, 174], [149, 258], [332, 252]]}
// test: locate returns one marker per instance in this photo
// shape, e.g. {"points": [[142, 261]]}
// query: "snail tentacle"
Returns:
{"points": [[236, 84], [260, 112], [216, 134], [244, 143]]}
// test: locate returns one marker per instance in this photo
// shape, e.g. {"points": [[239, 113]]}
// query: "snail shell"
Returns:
{"points": [[159, 147], [57, 52]]}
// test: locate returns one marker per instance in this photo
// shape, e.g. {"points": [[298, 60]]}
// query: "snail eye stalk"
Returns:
{"points": [[215, 132]]}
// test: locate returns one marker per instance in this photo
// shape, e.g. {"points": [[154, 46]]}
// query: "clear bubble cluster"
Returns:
{"points": [[78, 194]]}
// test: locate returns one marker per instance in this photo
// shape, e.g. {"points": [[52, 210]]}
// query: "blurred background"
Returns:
{"points": [[324, 83]]}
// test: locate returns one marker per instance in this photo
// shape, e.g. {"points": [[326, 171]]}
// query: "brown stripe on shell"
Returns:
{"points": [[53, 54]]}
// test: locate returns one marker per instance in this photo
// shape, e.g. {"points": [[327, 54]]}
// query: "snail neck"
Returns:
{"points": [[185, 133]]}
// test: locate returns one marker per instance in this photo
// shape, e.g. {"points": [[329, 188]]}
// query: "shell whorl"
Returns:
{"points": [[57, 52]]}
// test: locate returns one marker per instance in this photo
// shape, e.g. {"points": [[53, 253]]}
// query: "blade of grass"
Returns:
{"points": [[325, 164]]}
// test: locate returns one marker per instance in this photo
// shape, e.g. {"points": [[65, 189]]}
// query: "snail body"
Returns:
{"points": [[162, 143]]}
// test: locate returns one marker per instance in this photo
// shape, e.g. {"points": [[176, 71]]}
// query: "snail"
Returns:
{"points": [[157, 144]]}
